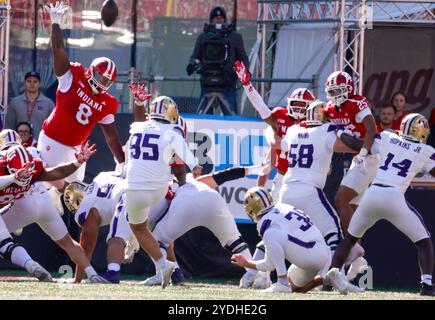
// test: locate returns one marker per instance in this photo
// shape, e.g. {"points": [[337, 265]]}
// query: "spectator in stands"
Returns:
{"points": [[216, 50], [32, 106], [399, 101], [25, 132], [386, 118]]}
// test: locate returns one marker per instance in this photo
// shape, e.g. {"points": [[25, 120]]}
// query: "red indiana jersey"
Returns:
{"points": [[346, 114], [77, 110], [284, 121], [14, 191]]}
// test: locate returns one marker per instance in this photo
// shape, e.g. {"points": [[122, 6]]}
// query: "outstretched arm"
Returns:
{"points": [[63, 171], [141, 98], [253, 96], [60, 57]]}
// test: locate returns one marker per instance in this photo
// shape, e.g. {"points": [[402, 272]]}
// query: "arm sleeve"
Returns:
{"points": [[257, 102], [65, 81], [110, 118]]}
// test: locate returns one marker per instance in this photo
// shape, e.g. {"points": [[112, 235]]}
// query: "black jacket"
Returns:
{"points": [[235, 52]]}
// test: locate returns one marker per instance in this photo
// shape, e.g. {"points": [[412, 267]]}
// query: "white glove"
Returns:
{"points": [[360, 159], [56, 11]]}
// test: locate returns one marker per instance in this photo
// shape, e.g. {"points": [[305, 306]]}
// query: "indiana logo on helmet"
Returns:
{"points": [[339, 87], [16, 157], [298, 102]]}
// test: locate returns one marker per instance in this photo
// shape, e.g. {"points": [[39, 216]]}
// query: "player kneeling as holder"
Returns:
{"points": [[289, 235]]}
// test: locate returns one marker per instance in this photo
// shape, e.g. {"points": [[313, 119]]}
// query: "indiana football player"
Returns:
{"points": [[82, 101]]}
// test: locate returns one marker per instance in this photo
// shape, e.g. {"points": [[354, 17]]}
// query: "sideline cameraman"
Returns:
{"points": [[216, 50]]}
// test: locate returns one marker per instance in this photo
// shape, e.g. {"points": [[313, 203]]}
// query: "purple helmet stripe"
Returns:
{"points": [[261, 198], [265, 195]]}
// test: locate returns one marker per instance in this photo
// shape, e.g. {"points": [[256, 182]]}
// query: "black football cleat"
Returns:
{"points": [[427, 290]]}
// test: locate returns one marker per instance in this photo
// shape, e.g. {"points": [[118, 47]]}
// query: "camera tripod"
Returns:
{"points": [[214, 100]]}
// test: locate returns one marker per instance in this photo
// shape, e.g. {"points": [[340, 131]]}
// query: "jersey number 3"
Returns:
{"points": [[82, 116]]}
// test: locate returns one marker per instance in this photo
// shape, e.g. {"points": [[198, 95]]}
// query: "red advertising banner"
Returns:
{"points": [[400, 59]]}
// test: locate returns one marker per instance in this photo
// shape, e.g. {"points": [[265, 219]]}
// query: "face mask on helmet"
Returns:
{"points": [[101, 74], [73, 195], [258, 202], [298, 102], [9, 138], [164, 108], [415, 127], [315, 115], [16, 158], [339, 86]]}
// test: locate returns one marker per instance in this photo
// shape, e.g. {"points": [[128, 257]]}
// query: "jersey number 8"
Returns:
{"points": [[83, 114]]}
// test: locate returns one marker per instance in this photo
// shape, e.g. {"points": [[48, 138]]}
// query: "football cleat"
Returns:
{"points": [[335, 278], [262, 281], [36, 270], [96, 279], [131, 248], [155, 280], [166, 273], [427, 290], [177, 277], [278, 287], [247, 280]]}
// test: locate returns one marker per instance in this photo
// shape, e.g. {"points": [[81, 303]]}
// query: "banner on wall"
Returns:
{"points": [[400, 59], [225, 142]]}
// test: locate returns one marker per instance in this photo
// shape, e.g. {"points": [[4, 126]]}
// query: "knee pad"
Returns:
{"points": [[236, 246], [223, 176], [6, 248], [260, 246]]}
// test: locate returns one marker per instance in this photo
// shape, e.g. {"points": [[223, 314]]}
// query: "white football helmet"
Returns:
{"points": [[339, 87], [315, 114], [298, 101]]}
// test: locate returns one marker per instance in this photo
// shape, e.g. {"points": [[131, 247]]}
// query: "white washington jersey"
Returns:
{"points": [[102, 194], [152, 146], [401, 159], [309, 153], [292, 221]]}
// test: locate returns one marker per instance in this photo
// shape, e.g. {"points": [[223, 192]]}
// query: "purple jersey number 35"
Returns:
{"points": [[142, 144]]}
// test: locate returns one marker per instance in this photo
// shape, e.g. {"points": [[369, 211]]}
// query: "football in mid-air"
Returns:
{"points": [[109, 12]]}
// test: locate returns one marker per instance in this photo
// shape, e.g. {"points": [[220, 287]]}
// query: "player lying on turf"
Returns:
{"points": [[402, 157], [25, 201]]}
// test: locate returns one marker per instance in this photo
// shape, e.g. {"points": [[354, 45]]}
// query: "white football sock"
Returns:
{"points": [[113, 266], [20, 256], [90, 271], [426, 278]]}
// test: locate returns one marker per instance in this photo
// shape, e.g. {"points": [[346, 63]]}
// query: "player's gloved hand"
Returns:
{"points": [[86, 151], [23, 176], [56, 11], [361, 159], [242, 73], [139, 94]]}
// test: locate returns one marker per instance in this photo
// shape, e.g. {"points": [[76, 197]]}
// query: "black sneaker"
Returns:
{"points": [[426, 290]]}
